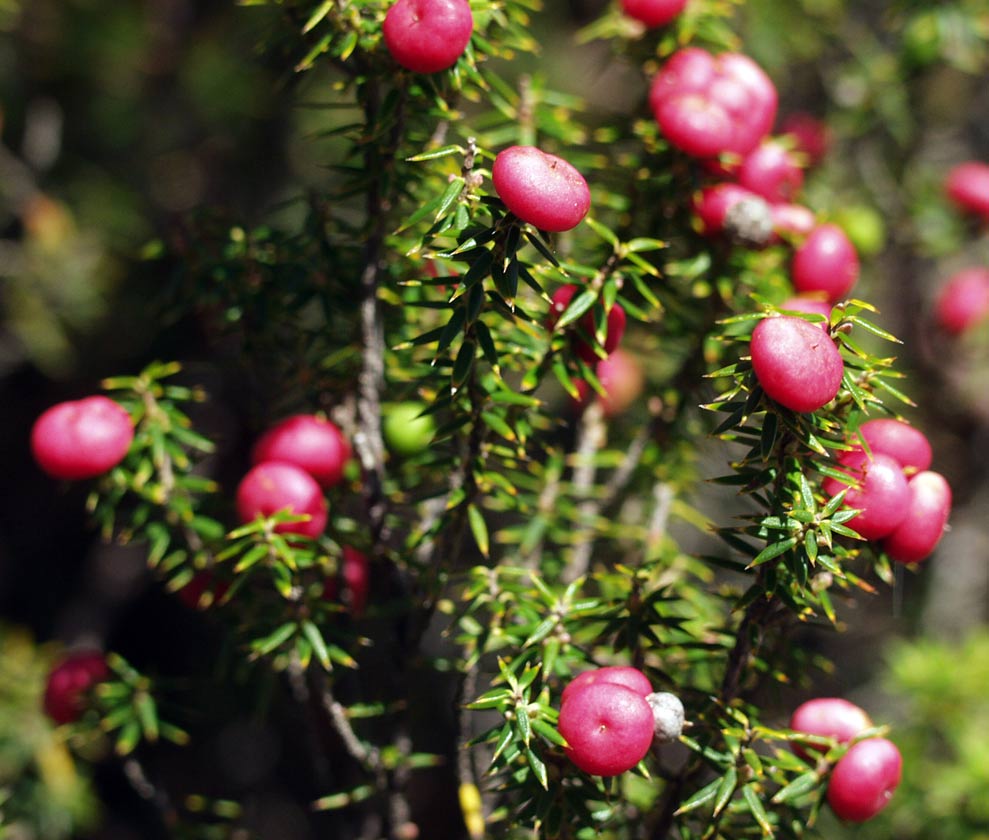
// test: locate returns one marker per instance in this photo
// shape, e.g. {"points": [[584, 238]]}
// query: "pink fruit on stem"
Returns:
{"points": [[796, 362], [81, 438], [310, 442], [653, 12], [810, 135], [713, 204], [771, 171], [621, 378], [625, 675], [877, 488], [68, 683], [541, 189], [864, 779], [928, 509], [826, 262], [909, 446], [583, 346], [274, 486], [426, 36], [792, 220], [963, 302], [829, 717], [967, 185], [608, 728], [810, 306]]}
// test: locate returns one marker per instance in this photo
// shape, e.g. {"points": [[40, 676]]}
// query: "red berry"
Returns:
{"points": [[621, 377], [625, 675], [829, 717], [584, 347], [275, 486], [712, 205], [796, 362], [310, 442], [771, 170], [356, 578], [864, 779], [810, 135], [877, 488], [963, 301], [608, 728], [928, 509], [809, 306], [426, 36], [826, 262], [69, 682], [653, 12], [909, 446], [792, 220], [81, 438], [967, 185], [541, 188]]}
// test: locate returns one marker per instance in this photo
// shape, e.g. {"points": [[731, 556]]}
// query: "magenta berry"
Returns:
{"points": [[274, 486], [608, 727], [792, 220], [621, 378], [69, 682], [928, 509], [963, 301], [541, 188], [713, 204], [81, 438], [356, 573], [864, 779], [624, 675], [310, 442], [584, 345], [654, 13], [811, 136], [901, 441], [967, 185], [877, 488], [809, 306], [826, 262], [426, 36], [829, 717], [796, 362], [771, 170]]}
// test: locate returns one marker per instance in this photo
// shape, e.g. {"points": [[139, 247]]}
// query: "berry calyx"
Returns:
{"points": [[310, 442], [426, 36], [541, 189], [274, 486], [876, 487], [81, 438], [927, 512], [70, 681], [864, 779], [796, 362], [826, 262]]}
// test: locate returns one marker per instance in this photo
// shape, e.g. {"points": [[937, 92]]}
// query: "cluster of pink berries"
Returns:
{"points": [[864, 779]]}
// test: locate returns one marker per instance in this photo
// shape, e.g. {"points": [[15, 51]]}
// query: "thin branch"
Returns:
{"points": [[590, 438]]}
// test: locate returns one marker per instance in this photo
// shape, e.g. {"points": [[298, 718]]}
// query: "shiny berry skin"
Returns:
{"points": [[826, 262], [608, 728], [274, 486], [771, 171], [864, 779], [792, 220], [909, 446], [426, 36], [967, 185], [928, 509], [624, 675], [312, 443], [621, 378], [829, 717], [81, 438], [654, 13], [584, 347], [68, 683], [877, 488], [963, 301], [796, 362], [541, 189], [809, 306]]}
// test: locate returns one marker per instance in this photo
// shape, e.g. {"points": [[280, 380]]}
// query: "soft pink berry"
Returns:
{"points": [[68, 683], [810, 135], [541, 188], [928, 509], [81, 438], [877, 488], [427, 36], [909, 446], [864, 779], [653, 12], [584, 345], [829, 717], [771, 171], [963, 301], [625, 675], [826, 262], [310, 442], [967, 185], [274, 486]]}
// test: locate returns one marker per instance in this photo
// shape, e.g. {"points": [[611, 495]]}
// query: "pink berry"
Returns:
{"points": [[829, 717], [621, 378], [864, 779], [793, 220], [310, 442], [541, 188], [928, 509], [625, 675], [810, 306], [877, 488], [426, 36], [967, 185], [796, 362], [274, 486], [583, 347], [771, 170], [810, 135], [909, 446], [826, 262], [608, 728], [69, 682], [963, 301], [81, 438], [712, 205], [356, 574], [653, 12]]}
